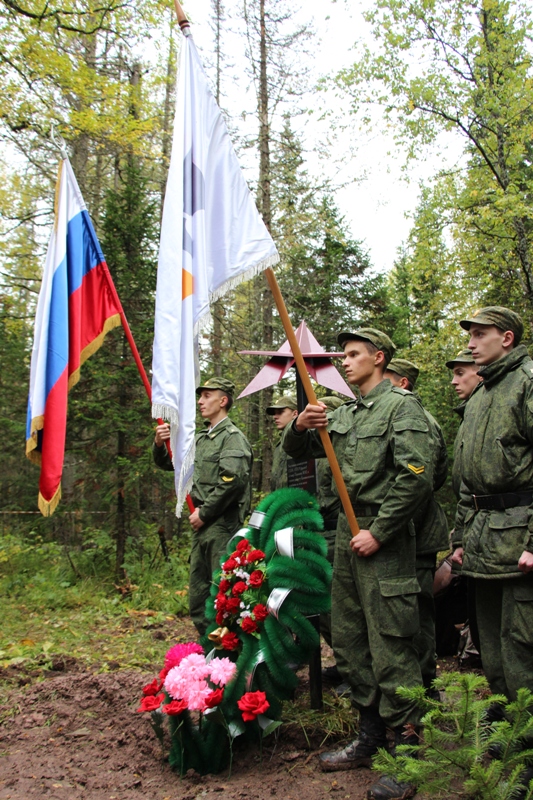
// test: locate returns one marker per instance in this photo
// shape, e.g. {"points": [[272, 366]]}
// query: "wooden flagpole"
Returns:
{"points": [[311, 397], [300, 364]]}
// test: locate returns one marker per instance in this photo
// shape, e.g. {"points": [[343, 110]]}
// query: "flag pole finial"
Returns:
{"points": [[182, 18]]}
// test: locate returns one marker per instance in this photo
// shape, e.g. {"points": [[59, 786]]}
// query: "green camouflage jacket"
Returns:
{"points": [[429, 519], [456, 468], [222, 474], [383, 446], [278, 476], [495, 449]]}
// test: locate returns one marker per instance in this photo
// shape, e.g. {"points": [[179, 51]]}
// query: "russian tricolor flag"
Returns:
{"points": [[77, 305]]}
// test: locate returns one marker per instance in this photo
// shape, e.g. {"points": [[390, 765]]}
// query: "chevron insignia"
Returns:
{"points": [[416, 470], [227, 479]]}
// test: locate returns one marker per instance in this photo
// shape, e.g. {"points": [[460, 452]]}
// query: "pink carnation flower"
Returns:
{"points": [[174, 683], [194, 667], [179, 651], [196, 694], [222, 670]]}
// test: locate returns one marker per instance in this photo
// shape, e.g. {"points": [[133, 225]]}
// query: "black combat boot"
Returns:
{"points": [[387, 788], [372, 735]]}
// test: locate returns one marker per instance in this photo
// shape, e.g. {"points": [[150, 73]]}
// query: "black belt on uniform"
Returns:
{"points": [[370, 510], [507, 500]]}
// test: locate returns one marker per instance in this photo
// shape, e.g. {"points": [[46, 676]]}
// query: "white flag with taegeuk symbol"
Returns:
{"points": [[212, 238]]}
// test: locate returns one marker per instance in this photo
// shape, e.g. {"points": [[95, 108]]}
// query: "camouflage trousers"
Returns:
{"points": [[208, 545], [374, 614], [505, 622], [325, 619], [425, 639]]}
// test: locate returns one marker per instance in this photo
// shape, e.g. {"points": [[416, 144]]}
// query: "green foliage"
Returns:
{"points": [[474, 77], [58, 603], [454, 748]]}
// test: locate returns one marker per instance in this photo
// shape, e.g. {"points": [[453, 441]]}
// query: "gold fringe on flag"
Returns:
{"points": [[47, 507], [92, 347]]}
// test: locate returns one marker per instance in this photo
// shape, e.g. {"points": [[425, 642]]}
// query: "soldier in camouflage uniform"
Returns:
{"points": [[494, 523], [330, 506], [383, 446], [430, 524], [464, 381], [284, 411], [221, 490]]}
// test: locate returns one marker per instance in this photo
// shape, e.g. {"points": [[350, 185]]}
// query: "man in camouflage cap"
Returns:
{"points": [[383, 447], [221, 490], [464, 381], [430, 524], [494, 523], [284, 411]]}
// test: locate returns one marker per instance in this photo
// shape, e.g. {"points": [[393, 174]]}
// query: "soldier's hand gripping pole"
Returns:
{"points": [[311, 396]]}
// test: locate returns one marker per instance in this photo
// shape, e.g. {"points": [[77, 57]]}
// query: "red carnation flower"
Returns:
{"points": [[151, 703], [239, 588], [220, 602], [232, 604], [244, 544], [260, 612], [255, 555], [230, 641], [252, 704], [249, 625], [256, 578], [163, 674], [229, 565], [223, 586], [175, 707], [215, 698], [152, 688], [219, 617]]}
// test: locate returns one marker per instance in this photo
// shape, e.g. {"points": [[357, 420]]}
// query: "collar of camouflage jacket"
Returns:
{"points": [[369, 399], [460, 409], [494, 372]]}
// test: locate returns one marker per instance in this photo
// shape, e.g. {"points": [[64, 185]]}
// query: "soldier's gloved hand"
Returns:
{"points": [[312, 417], [525, 562], [364, 544], [162, 434], [457, 556]]}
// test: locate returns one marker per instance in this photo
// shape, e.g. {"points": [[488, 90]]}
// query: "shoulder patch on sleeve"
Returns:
{"points": [[416, 470]]}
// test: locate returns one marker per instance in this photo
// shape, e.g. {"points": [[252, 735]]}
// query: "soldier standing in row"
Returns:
{"points": [[221, 490], [464, 381], [284, 411], [430, 524], [383, 446], [494, 524]]}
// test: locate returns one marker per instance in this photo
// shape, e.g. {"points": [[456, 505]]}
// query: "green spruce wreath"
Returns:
{"points": [[273, 576]]}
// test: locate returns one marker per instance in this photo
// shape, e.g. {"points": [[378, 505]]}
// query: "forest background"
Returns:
{"points": [[103, 74]]}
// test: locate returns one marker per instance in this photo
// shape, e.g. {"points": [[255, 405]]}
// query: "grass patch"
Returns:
{"points": [[58, 604], [336, 720]]}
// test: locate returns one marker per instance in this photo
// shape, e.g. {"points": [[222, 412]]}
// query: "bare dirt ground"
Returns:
{"points": [[75, 734]]}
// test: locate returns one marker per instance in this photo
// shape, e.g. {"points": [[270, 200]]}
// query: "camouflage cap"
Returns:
{"points": [[462, 357], [372, 335], [331, 401], [404, 368], [503, 318], [287, 401], [218, 383]]}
